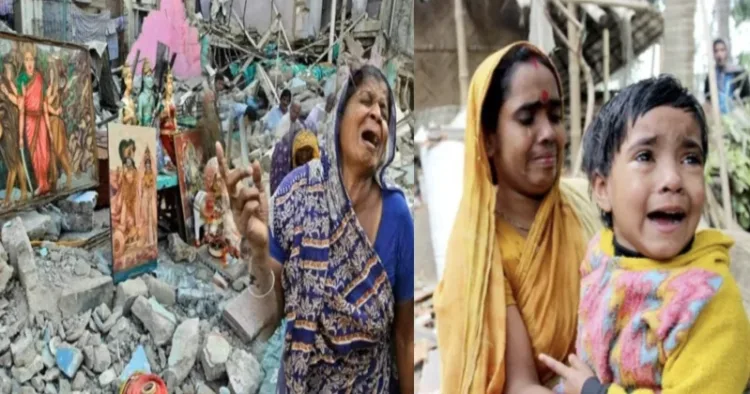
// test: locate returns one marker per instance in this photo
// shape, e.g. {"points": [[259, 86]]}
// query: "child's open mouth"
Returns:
{"points": [[667, 220]]}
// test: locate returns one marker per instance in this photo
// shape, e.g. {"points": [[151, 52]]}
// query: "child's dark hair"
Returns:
{"points": [[286, 93], [610, 127], [499, 88], [251, 114]]}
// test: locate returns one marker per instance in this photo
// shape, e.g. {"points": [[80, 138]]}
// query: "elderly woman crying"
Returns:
{"points": [[335, 243]]}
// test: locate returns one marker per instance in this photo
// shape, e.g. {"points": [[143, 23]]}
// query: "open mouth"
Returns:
{"points": [[667, 218], [371, 139]]}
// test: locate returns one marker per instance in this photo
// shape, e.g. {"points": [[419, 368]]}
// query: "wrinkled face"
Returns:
{"points": [[720, 54], [303, 155], [28, 63], [364, 125], [294, 112], [284, 103], [655, 190], [527, 146]]}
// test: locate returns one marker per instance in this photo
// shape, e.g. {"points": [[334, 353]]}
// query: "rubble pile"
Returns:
{"points": [[65, 327]]}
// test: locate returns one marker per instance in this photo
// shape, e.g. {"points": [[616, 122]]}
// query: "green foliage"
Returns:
{"points": [[737, 146], [740, 11]]}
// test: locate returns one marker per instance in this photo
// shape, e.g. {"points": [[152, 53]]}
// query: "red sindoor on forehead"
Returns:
{"points": [[534, 62], [544, 96]]}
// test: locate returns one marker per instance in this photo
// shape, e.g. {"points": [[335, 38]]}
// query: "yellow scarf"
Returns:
{"points": [[471, 325], [305, 139]]}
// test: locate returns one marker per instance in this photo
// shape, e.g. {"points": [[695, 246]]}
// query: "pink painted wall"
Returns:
{"points": [[169, 26]]}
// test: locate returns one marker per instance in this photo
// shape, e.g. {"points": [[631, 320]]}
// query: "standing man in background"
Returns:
{"points": [[731, 79]]}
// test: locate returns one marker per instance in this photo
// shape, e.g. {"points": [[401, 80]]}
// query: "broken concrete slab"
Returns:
{"points": [[128, 291], [86, 294], [23, 351], [248, 315], [244, 372], [20, 253], [162, 292], [160, 328], [214, 356], [24, 374], [40, 226], [185, 344]]}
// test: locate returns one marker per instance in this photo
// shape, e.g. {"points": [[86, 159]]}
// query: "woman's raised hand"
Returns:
{"points": [[249, 203]]}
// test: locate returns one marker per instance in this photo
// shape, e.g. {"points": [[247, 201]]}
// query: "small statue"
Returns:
{"points": [[127, 112], [220, 232], [146, 100], [167, 121], [167, 115]]}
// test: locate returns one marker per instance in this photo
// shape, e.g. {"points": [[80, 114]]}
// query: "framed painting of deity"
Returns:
{"points": [[132, 198], [189, 155], [47, 122]]}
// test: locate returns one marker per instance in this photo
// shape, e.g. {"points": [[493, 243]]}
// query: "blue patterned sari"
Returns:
{"points": [[339, 304]]}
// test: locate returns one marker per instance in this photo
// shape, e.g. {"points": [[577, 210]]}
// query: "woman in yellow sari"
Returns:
{"points": [[511, 281]]}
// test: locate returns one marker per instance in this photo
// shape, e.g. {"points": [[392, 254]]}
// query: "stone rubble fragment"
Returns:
{"points": [[185, 344], [20, 253], [179, 250], [162, 292], [106, 378], [214, 356], [244, 372], [23, 351], [6, 273], [24, 374], [86, 294], [160, 328], [249, 315], [128, 291]]}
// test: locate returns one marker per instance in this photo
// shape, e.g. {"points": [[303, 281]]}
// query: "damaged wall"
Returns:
{"points": [[436, 59]]}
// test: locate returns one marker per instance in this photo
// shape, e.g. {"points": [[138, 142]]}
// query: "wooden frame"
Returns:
{"points": [[57, 133]]}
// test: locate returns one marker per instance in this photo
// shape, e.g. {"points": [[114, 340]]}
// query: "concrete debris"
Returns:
{"points": [[179, 250], [214, 356], [97, 358], [78, 212], [162, 292], [248, 315], [244, 372], [160, 327], [24, 374], [86, 294], [23, 351], [185, 344], [128, 291], [107, 378], [40, 226], [20, 253]]}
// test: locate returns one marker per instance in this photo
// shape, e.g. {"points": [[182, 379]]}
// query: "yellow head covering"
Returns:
{"points": [[555, 241], [305, 139]]}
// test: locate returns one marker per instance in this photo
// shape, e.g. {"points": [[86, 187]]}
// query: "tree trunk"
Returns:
{"points": [[723, 10], [679, 46]]}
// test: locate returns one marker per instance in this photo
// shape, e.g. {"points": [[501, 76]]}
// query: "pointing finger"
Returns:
{"points": [[257, 176]]}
